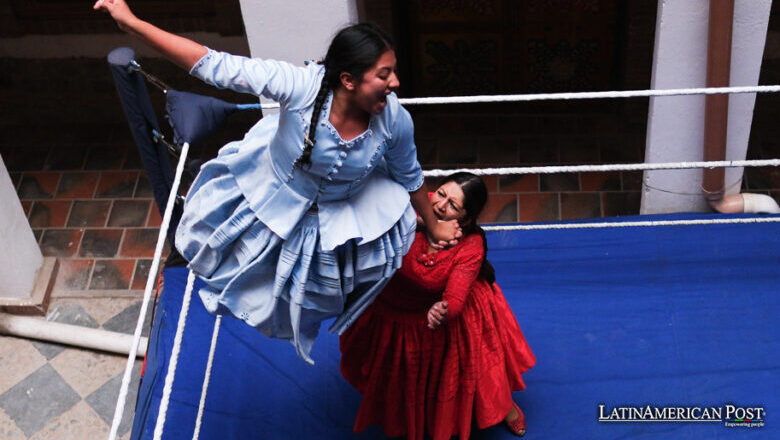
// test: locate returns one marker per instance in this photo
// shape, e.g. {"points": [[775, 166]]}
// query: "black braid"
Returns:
{"points": [[310, 138], [353, 50], [487, 271]]}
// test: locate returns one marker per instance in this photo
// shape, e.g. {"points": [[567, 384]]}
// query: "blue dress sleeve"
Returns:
{"points": [[401, 154], [276, 80]]}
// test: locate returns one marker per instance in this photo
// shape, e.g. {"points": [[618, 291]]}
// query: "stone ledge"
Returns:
{"points": [[38, 302], [98, 293]]}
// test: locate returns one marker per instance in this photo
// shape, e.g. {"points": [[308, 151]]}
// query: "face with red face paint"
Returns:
{"points": [[447, 202]]}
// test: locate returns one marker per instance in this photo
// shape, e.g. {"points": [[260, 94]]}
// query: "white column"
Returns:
{"points": [[294, 30], [20, 257], [675, 125]]}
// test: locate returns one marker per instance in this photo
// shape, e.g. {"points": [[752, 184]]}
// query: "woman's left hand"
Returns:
{"points": [[437, 314]]}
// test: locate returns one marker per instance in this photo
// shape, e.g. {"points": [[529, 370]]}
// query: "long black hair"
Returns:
{"points": [[475, 196], [354, 50]]}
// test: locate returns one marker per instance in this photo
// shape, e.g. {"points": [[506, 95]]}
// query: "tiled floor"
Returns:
{"points": [[49, 391], [91, 206]]}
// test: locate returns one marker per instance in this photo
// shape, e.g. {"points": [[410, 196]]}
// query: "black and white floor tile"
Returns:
{"points": [[50, 391]]}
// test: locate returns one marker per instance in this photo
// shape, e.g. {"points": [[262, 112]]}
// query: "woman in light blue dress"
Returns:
{"points": [[308, 216]]}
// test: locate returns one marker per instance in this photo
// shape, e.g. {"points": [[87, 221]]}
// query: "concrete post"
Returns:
{"points": [[294, 31], [675, 126], [21, 258], [26, 278]]}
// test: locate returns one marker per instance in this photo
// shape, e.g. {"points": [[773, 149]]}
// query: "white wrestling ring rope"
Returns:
{"points": [[588, 95], [174, 360], [599, 225], [525, 97], [150, 281], [610, 167], [207, 377], [121, 400]]}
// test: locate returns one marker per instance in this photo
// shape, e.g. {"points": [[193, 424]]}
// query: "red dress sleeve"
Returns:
{"points": [[465, 270]]}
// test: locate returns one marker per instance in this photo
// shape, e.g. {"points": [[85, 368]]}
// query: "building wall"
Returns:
{"points": [[65, 140], [571, 54]]}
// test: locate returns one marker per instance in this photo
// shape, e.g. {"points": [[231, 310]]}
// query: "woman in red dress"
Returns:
{"points": [[440, 345]]}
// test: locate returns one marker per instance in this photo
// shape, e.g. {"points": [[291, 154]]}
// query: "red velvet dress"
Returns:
{"points": [[416, 380]]}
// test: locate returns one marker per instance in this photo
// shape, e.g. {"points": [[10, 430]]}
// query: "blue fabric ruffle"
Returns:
{"points": [[286, 287]]}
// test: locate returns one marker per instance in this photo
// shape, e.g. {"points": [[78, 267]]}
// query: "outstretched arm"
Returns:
{"points": [[464, 273], [179, 50], [404, 167]]}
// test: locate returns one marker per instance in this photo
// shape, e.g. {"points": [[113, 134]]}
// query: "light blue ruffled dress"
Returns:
{"points": [[282, 247]]}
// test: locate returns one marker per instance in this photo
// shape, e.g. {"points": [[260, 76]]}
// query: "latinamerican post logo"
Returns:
{"points": [[731, 416]]}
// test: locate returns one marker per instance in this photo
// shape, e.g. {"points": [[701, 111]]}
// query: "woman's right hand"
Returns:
{"points": [[180, 50], [444, 233], [119, 11]]}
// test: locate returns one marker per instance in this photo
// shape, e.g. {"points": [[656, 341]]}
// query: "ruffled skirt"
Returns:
{"points": [[416, 381], [284, 288]]}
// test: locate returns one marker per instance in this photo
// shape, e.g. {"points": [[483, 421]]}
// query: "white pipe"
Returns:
{"points": [[36, 328], [746, 202], [760, 203]]}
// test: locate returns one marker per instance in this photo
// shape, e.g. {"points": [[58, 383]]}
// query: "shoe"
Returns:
{"points": [[517, 426]]}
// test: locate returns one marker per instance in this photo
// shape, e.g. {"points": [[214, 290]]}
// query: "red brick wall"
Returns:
{"points": [[497, 138], [547, 133], [64, 139]]}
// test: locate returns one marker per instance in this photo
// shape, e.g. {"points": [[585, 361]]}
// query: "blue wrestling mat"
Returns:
{"points": [[626, 323]]}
